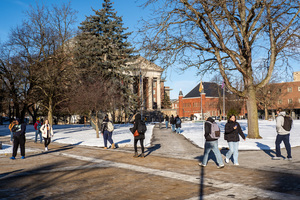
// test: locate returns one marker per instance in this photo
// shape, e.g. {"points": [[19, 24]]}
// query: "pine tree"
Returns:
{"points": [[102, 50]]}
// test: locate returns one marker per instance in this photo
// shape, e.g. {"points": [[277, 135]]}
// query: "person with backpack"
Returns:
{"points": [[167, 121], [139, 129], [232, 132], [19, 130], [283, 128], [37, 126], [172, 122], [212, 134], [106, 130], [178, 124], [47, 133]]}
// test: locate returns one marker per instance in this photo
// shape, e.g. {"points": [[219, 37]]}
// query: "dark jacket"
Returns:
{"points": [[172, 120], [231, 134], [104, 125], [167, 118], [177, 125], [207, 128], [137, 123], [22, 130]]}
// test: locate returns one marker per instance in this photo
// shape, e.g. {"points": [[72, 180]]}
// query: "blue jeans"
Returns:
{"points": [[173, 127], [233, 149], [167, 124], [37, 132], [178, 130], [212, 146], [286, 141], [107, 136]]}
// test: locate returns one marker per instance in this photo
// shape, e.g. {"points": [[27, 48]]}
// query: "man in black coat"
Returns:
{"points": [[19, 139]]}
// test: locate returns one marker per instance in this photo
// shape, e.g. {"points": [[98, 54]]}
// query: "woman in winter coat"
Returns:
{"points": [[107, 135], [178, 124], [211, 144], [232, 132], [140, 137], [47, 133]]}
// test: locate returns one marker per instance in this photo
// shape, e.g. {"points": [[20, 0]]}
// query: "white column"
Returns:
{"points": [[158, 88], [150, 93]]}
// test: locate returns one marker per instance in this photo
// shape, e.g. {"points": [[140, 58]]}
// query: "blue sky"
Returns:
{"points": [[12, 14]]}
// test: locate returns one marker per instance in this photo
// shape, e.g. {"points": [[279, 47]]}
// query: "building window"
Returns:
{"points": [[154, 99], [153, 91], [298, 100], [279, 101], [289, 89], [279, 90], [299, 88], [290, 101]]}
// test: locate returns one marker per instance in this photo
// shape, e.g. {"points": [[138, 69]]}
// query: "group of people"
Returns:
{"points": [[18, 138], [232, 135], [175, 123]]}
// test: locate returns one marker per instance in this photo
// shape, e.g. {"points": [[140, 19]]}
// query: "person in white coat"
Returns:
{"points": [[47, 133]]}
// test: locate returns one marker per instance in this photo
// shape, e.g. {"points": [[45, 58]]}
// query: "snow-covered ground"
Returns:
{"points": [[80, 135]]}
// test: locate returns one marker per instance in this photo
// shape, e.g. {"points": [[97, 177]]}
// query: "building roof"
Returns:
{"points": [[210, 90]]}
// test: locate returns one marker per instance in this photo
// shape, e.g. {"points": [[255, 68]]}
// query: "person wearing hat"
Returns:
{"points": [[19, 130], [37, 127]]}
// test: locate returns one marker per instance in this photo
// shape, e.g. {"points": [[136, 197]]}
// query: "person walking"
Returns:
{"points": [[178, 124], [167, 121], [37, 126], [211, 144], [172, 122], [11, 125], [47, 133], [138, 130], [232, 132], [107, 133], [283, 134], [19, 130]]}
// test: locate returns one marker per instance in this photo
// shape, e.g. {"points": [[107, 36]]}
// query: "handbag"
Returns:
{"points": [[136, 133]]}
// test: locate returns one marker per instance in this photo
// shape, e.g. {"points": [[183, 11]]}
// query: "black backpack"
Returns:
{"points": [[287, 124], [142, 128]]}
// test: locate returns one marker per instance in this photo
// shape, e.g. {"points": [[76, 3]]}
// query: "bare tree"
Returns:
{"points": [[233, 37], [43, 43]]}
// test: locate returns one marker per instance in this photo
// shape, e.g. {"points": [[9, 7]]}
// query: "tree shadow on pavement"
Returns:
{"points": [[266, 149]]}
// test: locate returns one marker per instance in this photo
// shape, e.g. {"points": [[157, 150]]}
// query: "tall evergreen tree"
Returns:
{"points": [[102, 50]]}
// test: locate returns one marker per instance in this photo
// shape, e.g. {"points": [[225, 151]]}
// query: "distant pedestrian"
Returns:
{"points": [[138, 130], [283, 127], [172, 122], [178, 124], [232, 132], [11, 125], [167, 121], [19, 130], [47, 133], [107, 132], [37, 127], [211, 143]]}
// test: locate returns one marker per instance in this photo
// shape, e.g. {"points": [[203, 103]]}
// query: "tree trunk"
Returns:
{"points": [[253, 131], [266, 113], [50, 112], [97, 127]]}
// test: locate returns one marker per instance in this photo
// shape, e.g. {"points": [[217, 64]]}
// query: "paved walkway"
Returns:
{"points": [[169, 171]]}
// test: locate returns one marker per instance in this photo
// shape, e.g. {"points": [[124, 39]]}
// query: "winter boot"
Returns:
{"points": [[136, 155], [142, 155], [113, 146]]}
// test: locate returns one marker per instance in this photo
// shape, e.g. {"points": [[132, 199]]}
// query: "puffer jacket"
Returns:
{"points": [[231, 134]]}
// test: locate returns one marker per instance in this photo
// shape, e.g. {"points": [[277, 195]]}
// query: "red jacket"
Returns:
{"points": [[36, 124]]}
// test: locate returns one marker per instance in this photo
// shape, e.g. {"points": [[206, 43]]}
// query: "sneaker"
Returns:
{"points": [[236, 164], [142, 155], [276, 158], [202, 165], [105, 147], [220, 166], [46, 148], [226, 160], [13, 158], [289, 159], [113, 146], [23, 157], [135, 155]]}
